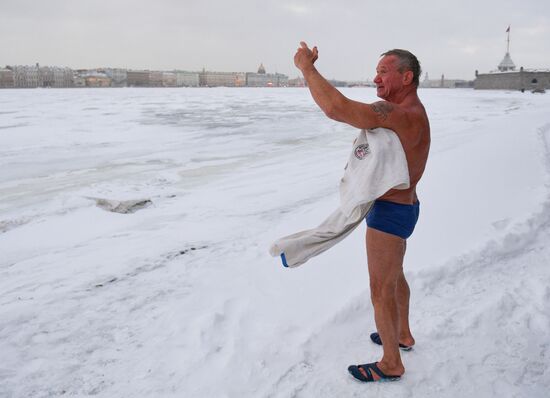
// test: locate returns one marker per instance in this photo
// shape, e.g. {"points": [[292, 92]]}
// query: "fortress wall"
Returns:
{"points": [[513, 80]]}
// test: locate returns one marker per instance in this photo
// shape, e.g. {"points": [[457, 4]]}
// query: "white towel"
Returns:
{"points": [[377, 163]]}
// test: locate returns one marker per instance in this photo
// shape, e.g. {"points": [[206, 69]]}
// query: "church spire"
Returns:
{"points": [[508, 40], [507, 64]]}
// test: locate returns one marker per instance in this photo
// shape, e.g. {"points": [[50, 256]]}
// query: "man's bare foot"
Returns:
{"points": [[397, 370], [406, 341], [405, 344]]}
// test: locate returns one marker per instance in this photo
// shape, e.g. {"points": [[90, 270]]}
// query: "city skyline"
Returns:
{"points": [[452, 39]]}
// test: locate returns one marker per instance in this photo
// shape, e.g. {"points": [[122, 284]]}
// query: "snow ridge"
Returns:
{"points": [[480, 321]]}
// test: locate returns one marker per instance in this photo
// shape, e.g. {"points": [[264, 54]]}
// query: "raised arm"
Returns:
{"points": [[340, 108]]}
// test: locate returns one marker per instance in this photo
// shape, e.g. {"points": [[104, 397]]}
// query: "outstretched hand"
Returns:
{"points": [[304, 57]]}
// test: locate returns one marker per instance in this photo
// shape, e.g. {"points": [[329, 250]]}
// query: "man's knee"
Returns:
{"points": [[382, 290]]}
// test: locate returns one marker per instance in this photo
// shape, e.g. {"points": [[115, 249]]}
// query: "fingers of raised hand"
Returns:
{"points": [[315, 53]]}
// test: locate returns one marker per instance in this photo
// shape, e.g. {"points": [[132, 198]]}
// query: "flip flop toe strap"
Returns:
{"points": [[364, 373], [361, 373]]}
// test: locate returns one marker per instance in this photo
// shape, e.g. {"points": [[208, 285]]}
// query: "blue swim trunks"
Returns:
{"points": [[393, 218]]}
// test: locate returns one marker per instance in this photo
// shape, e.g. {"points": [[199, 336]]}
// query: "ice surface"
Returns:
{"points": [[182, 299]]}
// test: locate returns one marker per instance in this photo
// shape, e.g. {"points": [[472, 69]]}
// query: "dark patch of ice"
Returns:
{"points": [[122, 206]]}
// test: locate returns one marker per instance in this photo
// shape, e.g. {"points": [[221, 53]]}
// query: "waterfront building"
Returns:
{"points": [[6, 78], [506, 77], [224, 79], [261, 69], [47, 77], [53, 76], [296, 82], [187, 79], [338, 83], [168, 79], [119, 77], [97, 79], [41, 76], [524, 79], [445, 83], [506, 64], [26, 76], [361, 83], [138, 78], [155, 79], [78, 80], [263, 79]]}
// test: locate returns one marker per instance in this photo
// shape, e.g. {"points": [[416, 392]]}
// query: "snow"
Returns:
{"points": [[181, 298]]}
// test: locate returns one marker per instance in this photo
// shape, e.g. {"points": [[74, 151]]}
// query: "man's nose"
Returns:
{"points": [[377, 79]]}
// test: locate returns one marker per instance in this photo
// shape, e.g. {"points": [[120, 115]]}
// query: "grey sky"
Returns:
{"points": [[453, 38]]}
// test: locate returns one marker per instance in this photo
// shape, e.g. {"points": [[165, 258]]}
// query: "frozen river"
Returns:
{"points": [[180, 298]]}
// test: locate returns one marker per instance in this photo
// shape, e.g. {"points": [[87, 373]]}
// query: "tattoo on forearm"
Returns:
{"points": [[382, 109]]}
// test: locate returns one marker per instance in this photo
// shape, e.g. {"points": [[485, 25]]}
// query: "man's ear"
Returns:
{"points": [[408, 77]]}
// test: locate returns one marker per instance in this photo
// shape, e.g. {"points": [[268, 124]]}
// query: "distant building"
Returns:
{"points": [[282, 80], [26, 76], [97, 79], [169, 79], [6, 78], [338, 83], [41, 76], [53, 76], [361, 83], [119, 77], [261, 69], [506, 64], [267, 80], [137, 78], [524, 79], [445, 83], [297, 82], [506, 77], [47, 76], [78, 80], [464, 84], [223, 79], [187, 79], [155, 79], [263, 79], [36, 76]]}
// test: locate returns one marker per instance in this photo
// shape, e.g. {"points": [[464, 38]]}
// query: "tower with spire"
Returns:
{"points": [[507, 64], [507, 77]]}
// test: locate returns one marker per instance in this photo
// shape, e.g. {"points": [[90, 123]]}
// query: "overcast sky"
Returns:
{"points": [[452, 38]]}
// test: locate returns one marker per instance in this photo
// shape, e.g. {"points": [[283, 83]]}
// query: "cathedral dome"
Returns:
{"points": [[261, 69]]}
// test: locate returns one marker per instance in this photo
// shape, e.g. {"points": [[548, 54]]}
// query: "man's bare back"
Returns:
{"points": [[403, 112], [416, 144]]}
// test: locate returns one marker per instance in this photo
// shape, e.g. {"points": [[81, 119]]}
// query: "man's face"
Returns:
{"points": [[388, 80]]}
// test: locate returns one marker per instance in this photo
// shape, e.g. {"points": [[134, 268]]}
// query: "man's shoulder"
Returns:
{"points": [[416, 115], [415, 126]]}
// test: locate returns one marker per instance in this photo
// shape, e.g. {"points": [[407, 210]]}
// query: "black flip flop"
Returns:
{"points": [[364, 373], [375, 337]]}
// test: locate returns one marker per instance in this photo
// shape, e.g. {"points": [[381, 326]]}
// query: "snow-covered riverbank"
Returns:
{"points": [[181, 297]]}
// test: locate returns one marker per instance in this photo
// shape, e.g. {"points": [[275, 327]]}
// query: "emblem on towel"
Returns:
{"points": [[361, 151]]}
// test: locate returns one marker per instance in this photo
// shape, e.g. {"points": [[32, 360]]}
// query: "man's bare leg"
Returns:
{"points": [[385, 260], [403, 295]]}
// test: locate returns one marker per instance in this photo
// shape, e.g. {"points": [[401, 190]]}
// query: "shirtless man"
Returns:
{"points": [[393, 217]]}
